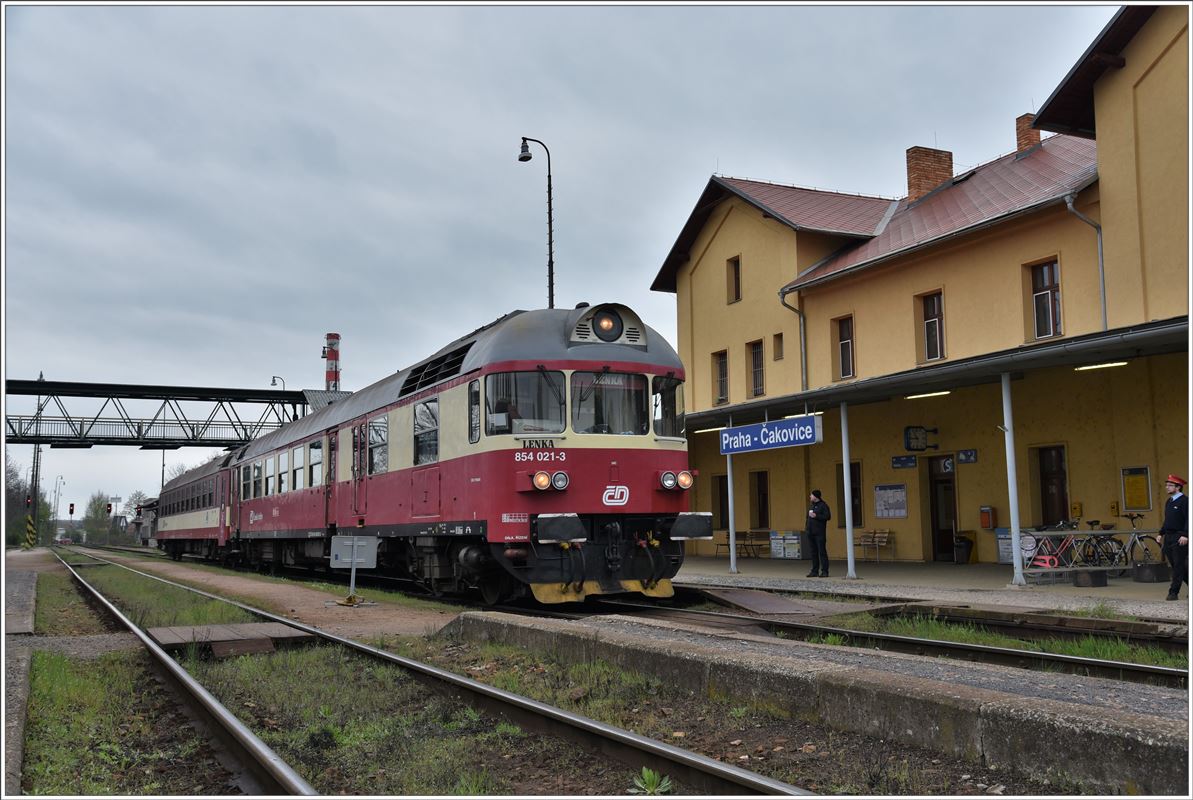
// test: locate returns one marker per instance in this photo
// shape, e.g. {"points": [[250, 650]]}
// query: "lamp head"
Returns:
{"points": [[274, 382], [525, 154]]}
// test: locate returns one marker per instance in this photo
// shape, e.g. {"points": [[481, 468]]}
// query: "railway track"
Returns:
{"points": [[699, 773], [986, 654], [272, 774]]}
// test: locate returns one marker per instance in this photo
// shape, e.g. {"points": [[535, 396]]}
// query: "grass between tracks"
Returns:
{"points": [[104, 727], [150, 604], [352, 725], [61, 609], [928, 628]]}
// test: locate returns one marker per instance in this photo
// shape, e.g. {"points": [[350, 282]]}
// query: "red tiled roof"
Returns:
{"points": [[1009, 185], [813, 209], [802, 209]]}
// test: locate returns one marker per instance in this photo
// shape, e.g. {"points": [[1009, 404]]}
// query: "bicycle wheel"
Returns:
{"points": [[1027, 547], [1145, 550], [1114, 554], [1091, 554]]}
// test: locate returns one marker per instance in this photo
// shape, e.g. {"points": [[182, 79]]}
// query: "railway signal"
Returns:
{"points": [[28, 501], [109, 509], [72, 509]]}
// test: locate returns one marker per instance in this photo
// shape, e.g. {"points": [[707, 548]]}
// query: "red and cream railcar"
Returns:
{"points": [[544, 451]]}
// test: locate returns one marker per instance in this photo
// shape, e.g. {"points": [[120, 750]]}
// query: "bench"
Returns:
{"points": [[876, 539], [749, 543]]}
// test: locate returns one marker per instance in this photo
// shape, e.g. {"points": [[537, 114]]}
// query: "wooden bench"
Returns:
{"points": [[876, 539], [750, 543]]}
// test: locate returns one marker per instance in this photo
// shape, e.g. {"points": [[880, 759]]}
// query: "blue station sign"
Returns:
{"points": [[790, 432]]}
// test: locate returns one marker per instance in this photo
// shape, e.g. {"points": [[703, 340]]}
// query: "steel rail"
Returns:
{"points": [[274, 774], [701, 774], [988, 654]]}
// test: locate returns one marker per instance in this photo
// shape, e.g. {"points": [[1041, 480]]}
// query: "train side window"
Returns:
{"points": [[426, 431], [283, 470], [297, 465], [270, 467], [667, 402], [257, 479], [378, 445], [474, 412], [246, 482], [316, 465]]}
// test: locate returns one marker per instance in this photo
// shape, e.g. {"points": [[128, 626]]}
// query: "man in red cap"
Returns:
{"points": [[1174, 534]]}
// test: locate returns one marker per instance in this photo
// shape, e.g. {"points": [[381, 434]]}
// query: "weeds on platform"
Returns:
{"points": [[103, 726], [922, 627], [150, 603]]}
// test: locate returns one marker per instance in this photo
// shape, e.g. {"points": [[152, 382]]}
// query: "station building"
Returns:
{"points": [[912, 326]]}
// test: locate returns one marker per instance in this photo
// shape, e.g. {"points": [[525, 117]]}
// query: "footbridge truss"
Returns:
{"points": [[178, 416]]}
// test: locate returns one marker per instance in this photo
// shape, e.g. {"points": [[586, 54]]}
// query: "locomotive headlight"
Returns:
{"points": [[542, 480], [607, 325], [685, 480], [560, 480], [668, 480]]}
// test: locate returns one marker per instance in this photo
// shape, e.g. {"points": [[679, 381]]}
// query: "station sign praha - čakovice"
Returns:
{"points": [[790, 432]]}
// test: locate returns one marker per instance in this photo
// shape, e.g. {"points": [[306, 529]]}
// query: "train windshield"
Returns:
{"points": [[666, 399], [609, 402], [524, 402]]}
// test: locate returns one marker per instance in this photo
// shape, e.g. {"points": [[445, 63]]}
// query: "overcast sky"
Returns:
{"points": [[196, 195]]}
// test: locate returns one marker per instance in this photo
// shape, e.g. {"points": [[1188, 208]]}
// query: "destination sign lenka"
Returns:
{"points": [[790, 432]]}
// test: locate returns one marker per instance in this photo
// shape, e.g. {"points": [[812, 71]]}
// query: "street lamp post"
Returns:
{"points": [[58, 484], [275, 380], [525, 156]]}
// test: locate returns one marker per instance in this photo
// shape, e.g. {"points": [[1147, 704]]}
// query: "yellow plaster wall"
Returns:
{"points": [[770, 255], [986, 304], [1142, 117], [1108, 419]]}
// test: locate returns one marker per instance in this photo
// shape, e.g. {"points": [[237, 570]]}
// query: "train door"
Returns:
{"points": [[944, 505], [360, 454], [328, 476], [223, 501]]}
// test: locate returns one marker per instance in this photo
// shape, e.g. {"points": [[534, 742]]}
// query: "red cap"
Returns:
{"points": [[1177, 479]]}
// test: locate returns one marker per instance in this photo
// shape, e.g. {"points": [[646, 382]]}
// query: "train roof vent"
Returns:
{"points": [[437, 369]]}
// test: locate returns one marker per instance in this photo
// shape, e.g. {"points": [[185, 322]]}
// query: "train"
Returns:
{"points": [[541, 454]]}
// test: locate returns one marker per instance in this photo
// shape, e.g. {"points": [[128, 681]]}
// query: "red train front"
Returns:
{"points": [[544, 451]]}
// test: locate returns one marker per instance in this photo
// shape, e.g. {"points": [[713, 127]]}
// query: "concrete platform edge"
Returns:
{"points": [[1114, 754]]}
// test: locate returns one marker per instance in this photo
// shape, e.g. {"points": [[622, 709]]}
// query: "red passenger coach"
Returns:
{"points": [[544, 451]]}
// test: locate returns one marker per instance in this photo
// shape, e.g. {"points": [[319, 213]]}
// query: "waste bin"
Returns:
{"points": [[962, 549]]}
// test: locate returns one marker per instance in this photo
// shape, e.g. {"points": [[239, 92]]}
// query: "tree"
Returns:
{"points": [[175, 470], [96, 518], [15, 489], [137, 498]]}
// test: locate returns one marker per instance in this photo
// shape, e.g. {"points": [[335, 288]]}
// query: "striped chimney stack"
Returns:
{"points": [[331, 351]]}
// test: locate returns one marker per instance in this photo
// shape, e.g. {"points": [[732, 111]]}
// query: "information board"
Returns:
{"points": [[789, 432], [343, 554]]}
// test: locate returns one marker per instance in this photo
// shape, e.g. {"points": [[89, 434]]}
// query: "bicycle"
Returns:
{"points": [[1142, 548], [1105, 549], [1050, 554]]}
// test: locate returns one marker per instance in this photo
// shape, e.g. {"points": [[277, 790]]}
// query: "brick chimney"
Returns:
{"points": [[1026, 137], [927, 168]]}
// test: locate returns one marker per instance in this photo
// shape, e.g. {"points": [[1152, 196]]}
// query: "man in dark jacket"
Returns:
{"points": [[818, 514], [1174, 534]]}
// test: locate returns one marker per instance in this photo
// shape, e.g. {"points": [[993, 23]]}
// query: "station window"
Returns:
{"points": [[315, 468], [1045, 299], [932, 307], [426, 431], [378, 445], [777, 347], [757, 367], [296, 464], [720, 377], [843, 364], [733, 279], [760, 500]]}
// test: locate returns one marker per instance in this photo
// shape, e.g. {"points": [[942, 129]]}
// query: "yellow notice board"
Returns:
{"points": [[1137, 488]]}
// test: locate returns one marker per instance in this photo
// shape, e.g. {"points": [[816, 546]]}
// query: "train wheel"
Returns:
{"points": [[496, 588]]}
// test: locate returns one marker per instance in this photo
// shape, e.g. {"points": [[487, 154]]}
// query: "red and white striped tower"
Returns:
{"points": [[331, 351]]}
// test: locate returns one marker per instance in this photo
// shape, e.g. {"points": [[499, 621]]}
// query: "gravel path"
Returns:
{"points": [[1097, 692]]}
